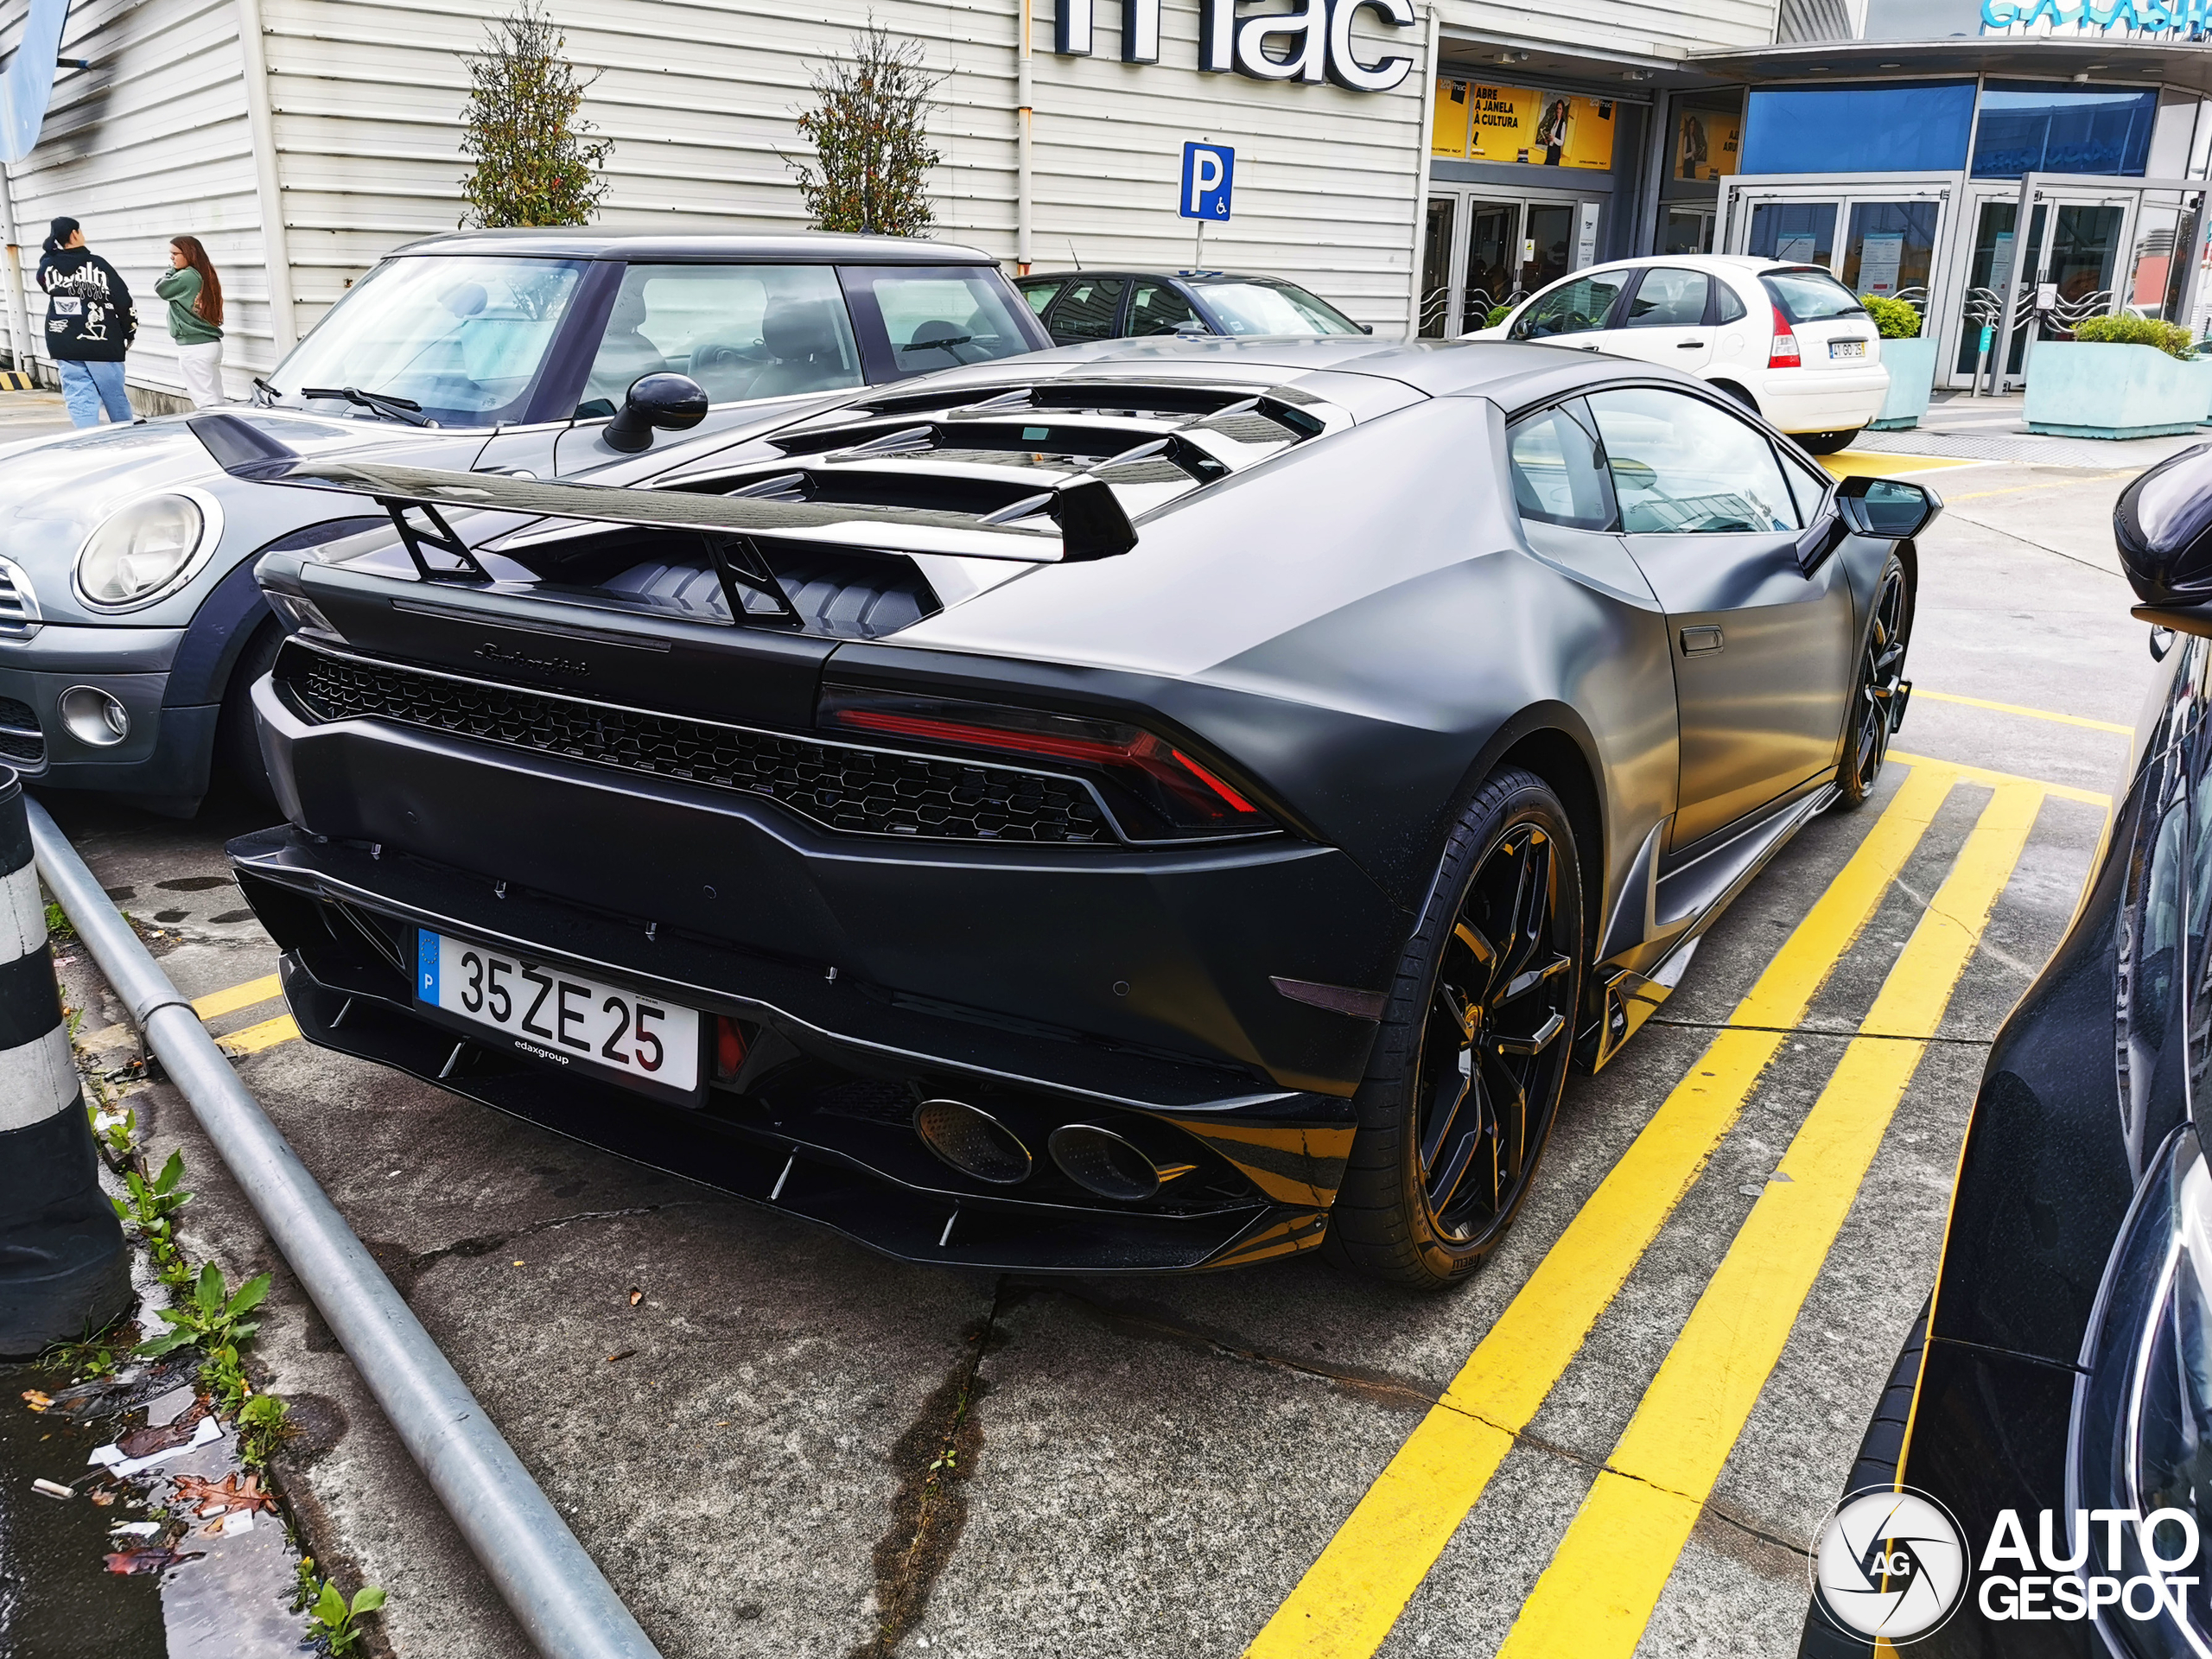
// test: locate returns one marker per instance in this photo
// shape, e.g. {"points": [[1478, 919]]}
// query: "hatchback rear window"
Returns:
{"points": [[1810, 294]]}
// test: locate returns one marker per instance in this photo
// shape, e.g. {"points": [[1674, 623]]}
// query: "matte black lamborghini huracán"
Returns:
{"points": [[1146, 806]]}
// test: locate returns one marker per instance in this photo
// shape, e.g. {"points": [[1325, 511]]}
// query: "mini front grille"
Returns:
{"points": [[20, 737], [18, 606], [866, 792]]}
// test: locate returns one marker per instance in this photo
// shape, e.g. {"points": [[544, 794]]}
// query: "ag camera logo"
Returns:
{"points": [[1890, 1565]]}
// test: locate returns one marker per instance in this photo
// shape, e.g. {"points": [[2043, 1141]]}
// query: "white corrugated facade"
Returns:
{"points": [[364, 98]]}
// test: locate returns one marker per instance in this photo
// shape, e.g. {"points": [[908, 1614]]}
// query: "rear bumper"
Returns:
{"points": [[1269, 1160], [1822, 400]]}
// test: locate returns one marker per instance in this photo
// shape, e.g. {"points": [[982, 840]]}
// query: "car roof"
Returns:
{"points": [[1157, 276], [801, 247]]}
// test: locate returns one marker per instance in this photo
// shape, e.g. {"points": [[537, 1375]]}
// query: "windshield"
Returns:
{"points": [[462, 335], [1811, 296], [1250, 305]]}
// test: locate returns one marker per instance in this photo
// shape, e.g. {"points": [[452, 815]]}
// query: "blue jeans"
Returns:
{"points": [[89, 387]]}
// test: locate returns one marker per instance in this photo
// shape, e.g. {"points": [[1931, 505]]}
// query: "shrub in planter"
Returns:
{"points": [[1497, 315], [1894, 319], [2126, 330]]}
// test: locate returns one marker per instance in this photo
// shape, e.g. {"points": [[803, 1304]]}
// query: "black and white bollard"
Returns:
{"points": [[63, 1269]]}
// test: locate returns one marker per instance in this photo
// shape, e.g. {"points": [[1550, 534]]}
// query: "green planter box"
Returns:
{"points": [[2077, 390], [1912, 364]]}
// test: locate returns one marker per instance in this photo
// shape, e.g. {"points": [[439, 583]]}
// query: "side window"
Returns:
{"points": [[1572, 308], [1681, 466], [740, 331], [1158, 309], [1808, 484], [1668, 298], [1727, 304], [1558, 474], [1085, 310], [1040, 295]]}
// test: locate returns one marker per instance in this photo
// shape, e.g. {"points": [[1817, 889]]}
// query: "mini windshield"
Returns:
{"points": [[462, 335], [1253, 305]]}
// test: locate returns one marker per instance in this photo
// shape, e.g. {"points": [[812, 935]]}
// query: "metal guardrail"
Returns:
{"points": [[553, 1586]]}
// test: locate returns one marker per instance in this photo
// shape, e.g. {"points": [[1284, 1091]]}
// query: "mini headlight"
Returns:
{"points": [[2142, 1432], [138, 551]]}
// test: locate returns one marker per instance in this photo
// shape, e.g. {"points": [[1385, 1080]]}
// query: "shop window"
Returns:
{"points": [[1905, 127], [2029, 128]]}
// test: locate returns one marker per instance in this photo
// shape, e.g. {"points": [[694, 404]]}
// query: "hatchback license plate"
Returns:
{"points": [[558, 1016], [1846, 348]]}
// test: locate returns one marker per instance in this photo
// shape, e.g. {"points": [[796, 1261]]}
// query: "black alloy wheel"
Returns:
{"points": [[1472, 1061], [1873, 710]]}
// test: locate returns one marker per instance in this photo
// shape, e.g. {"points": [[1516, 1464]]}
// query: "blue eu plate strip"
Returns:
{"points": [[426, 965]]}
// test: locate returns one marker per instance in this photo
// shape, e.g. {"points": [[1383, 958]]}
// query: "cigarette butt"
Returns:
{"points": [[53, 1489]]}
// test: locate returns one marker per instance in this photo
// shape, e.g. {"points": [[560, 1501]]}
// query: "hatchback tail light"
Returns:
{"points": [[1156, 788], [730, 1048], [1782, 354]]}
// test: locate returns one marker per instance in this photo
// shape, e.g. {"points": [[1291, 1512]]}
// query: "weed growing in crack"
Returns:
{"points": [[147, 1206], [59, 927], [262, 1429], [120, 1137], [212, 1320], [335, 1621]]}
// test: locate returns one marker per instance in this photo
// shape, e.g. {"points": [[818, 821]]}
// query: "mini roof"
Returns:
{"points": [[798, 247]]}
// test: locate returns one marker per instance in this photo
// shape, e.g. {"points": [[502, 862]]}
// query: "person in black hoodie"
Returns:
{"points": [[90, 323]]}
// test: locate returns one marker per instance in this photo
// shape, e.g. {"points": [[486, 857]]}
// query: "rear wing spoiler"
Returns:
{"points": [[1088, 519]]}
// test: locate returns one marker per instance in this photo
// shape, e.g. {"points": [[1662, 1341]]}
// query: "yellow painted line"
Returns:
{"points": [[1988, 779], [1606, 1576], [2022, 709], [215, 1004], [1350, 1598], [2055, 484], [254, 1038], [1875, 464]]}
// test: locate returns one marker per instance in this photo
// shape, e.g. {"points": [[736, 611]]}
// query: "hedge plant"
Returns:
{"points": [[1895, 319], [2129, 330]]}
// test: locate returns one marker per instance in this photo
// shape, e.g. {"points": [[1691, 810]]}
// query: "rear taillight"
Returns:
{"points": [[1156, 788], [729, 1048], [1782, 354]]}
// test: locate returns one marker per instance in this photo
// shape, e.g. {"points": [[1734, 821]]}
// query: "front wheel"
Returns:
{"points": [[1825, 443], [1874, 711], [1470, 1061]]}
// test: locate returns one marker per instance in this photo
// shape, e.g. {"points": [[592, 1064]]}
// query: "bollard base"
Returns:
{"points": [[64, 1272]]}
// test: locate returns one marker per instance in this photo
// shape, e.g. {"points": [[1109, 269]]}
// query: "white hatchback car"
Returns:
{"points": [[1788, 340]]}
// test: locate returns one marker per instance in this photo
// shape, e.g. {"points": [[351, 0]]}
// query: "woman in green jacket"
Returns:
{"points": [[195, 297]]}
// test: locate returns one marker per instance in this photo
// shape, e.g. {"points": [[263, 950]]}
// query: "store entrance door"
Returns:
{"points": [[1481, 250], [1880, 242], [2074, 244]]}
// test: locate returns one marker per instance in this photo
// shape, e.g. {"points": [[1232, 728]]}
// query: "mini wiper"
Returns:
{"points": [[398, 408], [269, 393], [947, 340]]}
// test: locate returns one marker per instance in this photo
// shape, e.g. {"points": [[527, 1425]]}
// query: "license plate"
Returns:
{"points": [[1846, 348], [556, 1016]]}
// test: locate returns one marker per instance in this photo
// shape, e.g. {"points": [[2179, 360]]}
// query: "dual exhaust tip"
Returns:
{"points": [[1100, 1162]]}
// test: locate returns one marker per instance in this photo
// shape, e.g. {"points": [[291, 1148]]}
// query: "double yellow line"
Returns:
{"points": [[1608, 1573]]}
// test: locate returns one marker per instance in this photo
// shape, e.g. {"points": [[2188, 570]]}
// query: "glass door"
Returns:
{"points": [[1547, 244], [1989, 273], [1889, 249], [1436, 267], [1803, 232], [1687, 230], [2074, 248], [1493, 239]]}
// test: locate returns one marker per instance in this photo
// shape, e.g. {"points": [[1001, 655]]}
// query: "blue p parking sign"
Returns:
{"points": [[1209, 173]]}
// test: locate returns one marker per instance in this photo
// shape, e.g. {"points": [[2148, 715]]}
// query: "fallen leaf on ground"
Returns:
{"points": [[636, 1295], [144, 1442], [152, 1559], [36, 1400], [235, 1491]]}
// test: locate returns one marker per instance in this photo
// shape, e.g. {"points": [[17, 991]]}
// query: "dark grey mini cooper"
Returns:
{"points": [[1152, 806], [130, 623]]}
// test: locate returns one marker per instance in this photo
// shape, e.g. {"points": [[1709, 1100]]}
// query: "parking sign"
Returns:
{"points": [[1209, 173]]}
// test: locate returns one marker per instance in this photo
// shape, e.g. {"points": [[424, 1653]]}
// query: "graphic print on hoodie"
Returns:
{"points": [[89, 316]]}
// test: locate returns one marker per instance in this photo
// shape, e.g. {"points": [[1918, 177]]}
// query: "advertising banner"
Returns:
{"points": [[1707, 142], [1520, 124], [1447, 134]]}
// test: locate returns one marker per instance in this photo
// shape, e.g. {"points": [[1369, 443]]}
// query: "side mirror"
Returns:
{"points": [[2163, 528], [671, 402], [1888, 508], [1366, 328]]}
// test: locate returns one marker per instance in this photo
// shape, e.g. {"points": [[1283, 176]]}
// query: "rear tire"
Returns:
{"points": [[1471, 1060], [1868, 723], [1825, 443], [237, 744]]}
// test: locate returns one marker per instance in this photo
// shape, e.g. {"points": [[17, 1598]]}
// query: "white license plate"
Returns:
{"points": [[559, 1016], [1846, 348]]}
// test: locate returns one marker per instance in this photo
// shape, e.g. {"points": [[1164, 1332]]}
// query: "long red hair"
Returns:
{"points": [[209, 305]]}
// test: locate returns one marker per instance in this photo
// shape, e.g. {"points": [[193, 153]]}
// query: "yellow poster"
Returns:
{"points": [[1521, 124], [1707, 142], [1447, 132]]}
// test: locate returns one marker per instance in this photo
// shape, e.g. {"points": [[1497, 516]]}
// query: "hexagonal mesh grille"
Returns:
{"points": [[866, 792]]}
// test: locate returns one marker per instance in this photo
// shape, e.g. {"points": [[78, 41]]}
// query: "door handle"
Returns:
{"points": [[1689, 345], [1700, 642]]}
